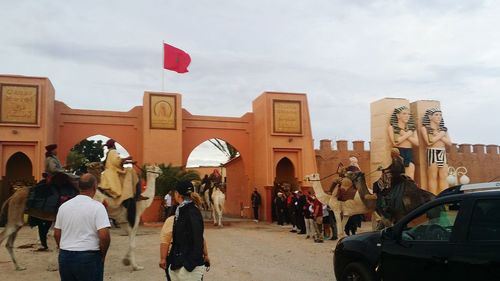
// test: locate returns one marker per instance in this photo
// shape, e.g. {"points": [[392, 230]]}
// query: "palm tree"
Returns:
{"points": [[171, 175], [226, 148]]}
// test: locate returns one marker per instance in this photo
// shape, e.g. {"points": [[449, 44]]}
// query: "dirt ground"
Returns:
{"points": [[239, 251]]}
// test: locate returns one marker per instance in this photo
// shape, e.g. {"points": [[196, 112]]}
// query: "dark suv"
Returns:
{"points": [[454, 237]]}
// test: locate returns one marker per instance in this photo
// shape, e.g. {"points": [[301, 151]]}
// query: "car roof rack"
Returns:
{"points": [[469, 188], [487, 186]]}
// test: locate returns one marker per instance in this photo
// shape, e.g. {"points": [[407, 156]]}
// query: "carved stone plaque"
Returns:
{"points": [[162, 112], [19, 104], [287, 117]]}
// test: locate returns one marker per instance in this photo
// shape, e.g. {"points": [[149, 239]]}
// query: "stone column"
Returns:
{"points": [[380, 145], [418, 109]]}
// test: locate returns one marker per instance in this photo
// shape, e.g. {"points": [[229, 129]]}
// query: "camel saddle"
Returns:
{"points": [[344, 195], [46, 197]]}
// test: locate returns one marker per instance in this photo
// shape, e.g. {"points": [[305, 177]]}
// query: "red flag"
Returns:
{"points": [[175, 59]]}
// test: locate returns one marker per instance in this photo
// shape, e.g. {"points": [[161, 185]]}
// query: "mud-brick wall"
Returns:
{"points": [[482, 161], [328, 159]]}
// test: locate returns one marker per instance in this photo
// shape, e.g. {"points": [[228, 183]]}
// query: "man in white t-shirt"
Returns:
{"points": [[168, 204], [82, 234]]}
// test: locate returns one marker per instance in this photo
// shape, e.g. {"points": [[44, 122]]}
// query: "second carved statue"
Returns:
{"points": [[403, 136]]}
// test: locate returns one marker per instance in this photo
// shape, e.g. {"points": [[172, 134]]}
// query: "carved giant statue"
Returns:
{"points": [[403, 136], [435, 136]]}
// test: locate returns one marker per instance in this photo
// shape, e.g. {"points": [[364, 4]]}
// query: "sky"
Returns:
{"points": [[343, 54]]}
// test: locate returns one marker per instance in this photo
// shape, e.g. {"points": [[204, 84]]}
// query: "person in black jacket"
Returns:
{"points": [[256, 200], [186, 257], [280, 203]]}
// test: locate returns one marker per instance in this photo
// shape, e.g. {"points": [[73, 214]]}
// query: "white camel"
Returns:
{"points": [[119, 213], [216, 205], [219, 198], [343, 209], [14, 209]]}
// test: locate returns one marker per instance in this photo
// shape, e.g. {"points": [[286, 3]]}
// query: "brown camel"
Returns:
{"points": [[362, 203], [14, 208]]}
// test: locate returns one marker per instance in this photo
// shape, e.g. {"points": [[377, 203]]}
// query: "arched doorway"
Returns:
{"points": [[219, 154], [19, 171], [285, 181], [285, 173], [90, 149]]}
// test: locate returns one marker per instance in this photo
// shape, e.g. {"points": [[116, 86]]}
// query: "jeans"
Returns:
{"points": [[43, 229], [256, 212], [80, 266]]}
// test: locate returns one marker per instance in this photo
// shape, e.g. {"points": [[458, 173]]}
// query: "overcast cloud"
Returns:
{"points": [[343, 54]]}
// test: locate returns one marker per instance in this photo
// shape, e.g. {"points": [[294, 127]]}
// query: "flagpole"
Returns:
{"points": [[163, 70]]}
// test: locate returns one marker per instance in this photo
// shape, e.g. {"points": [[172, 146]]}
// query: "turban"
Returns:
{"points": [[51, 147], [110, 143]]}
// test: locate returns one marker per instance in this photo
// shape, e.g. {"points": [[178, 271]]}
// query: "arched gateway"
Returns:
{"points": [[274, 138]]}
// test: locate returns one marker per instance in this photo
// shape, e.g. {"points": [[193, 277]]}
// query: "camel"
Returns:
{"points": [[204, 196], [361, 204], [119, 212], [218, 199], [399, 200], [14, 209], [216, 204]]}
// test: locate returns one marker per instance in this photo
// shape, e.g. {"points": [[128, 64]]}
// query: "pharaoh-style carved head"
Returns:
{"points": [[433, 115], [402, 115]]}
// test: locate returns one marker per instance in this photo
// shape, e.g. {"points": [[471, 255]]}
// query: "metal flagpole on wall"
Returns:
{"points": [[162, 67]]}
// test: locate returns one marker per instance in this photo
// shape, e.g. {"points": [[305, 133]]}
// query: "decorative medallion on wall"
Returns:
{"points": [[19, 104], [162, 112], [287, 117]]}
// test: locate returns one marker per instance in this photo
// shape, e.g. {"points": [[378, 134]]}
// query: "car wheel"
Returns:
{"points": [[357, 271]]}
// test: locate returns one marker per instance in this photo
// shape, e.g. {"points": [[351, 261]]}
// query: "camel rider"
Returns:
{"points": [[52, 163], [392, 188], [396, 169], [205, 183], [115, 178], [216, 179]]}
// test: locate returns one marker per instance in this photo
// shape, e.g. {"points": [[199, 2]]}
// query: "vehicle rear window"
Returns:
{"points": [[485, 222]]}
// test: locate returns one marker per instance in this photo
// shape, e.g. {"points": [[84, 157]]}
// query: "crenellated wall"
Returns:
{"points": [[482, 161], [328, 159]]}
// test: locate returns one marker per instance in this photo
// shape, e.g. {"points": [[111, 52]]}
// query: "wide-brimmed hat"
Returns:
{"points": [[184, 187], [51, 147]]}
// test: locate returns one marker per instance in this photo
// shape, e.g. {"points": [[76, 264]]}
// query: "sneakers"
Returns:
{"points": [[256, 220]]}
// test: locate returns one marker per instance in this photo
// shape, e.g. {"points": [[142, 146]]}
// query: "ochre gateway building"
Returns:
{"points": [[274, 140]]}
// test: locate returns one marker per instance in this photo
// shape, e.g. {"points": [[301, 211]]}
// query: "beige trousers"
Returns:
{"points": [[182, 274]]}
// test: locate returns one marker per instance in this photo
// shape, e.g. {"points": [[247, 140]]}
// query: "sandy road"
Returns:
{"points": [[240, 251]]}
